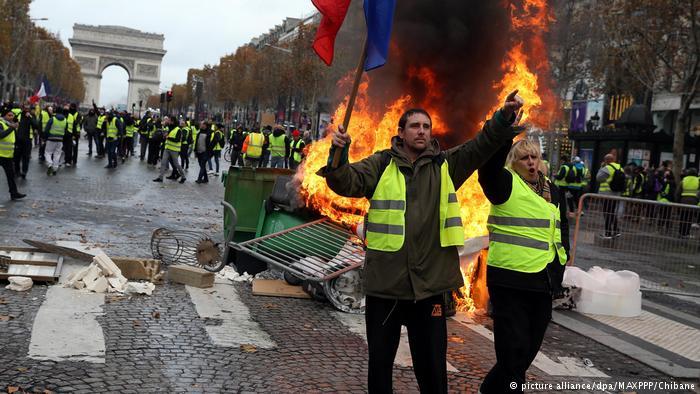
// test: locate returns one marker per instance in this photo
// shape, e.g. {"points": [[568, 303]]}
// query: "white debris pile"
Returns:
{"points": [[230, 274], [104, 276], [605, 292], [19, 283]]}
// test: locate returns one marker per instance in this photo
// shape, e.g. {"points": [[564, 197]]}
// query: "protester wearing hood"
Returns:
{"points": [[236, 141], [91, 130], [23, 142], [54, 132]]}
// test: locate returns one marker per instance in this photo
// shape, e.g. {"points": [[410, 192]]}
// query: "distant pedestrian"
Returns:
{"points": [[171, 154], [202, 149], [7, 150], [609, 177], [23, 142], [297, 150], [56, 129], [90, 125]]}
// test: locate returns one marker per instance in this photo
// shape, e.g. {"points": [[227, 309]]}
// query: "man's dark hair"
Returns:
{"points": [[413, 111]]}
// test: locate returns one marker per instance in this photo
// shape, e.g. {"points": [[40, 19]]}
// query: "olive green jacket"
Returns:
{"points": [[421, 268]]}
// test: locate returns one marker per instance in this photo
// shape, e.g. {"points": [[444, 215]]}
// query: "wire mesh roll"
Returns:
{"points": [[186, 247]]}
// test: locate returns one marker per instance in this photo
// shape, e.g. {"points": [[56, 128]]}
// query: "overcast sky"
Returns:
{"points": [[196, 32]]}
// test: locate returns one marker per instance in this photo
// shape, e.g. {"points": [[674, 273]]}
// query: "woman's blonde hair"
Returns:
{"points": [[521, 148]]}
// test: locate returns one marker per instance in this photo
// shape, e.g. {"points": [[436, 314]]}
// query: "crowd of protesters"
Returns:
{"points": [[632, 181], [117, 136]]}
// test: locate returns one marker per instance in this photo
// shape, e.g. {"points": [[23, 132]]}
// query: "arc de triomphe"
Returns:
{"points": [[140, 54]]}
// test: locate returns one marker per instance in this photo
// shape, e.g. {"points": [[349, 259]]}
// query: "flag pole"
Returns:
{"points": [[351, 101]]}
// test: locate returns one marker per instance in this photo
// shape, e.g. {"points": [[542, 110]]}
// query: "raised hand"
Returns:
{"points": [[512, 104]]}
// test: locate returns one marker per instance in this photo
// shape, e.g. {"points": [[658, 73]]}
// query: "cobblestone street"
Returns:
{"points": [[167, 343]]}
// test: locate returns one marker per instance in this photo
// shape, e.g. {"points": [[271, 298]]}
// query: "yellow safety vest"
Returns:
{"points": [[100, 121], [255, 143], [173, 145], [664, 194], [112, 129], [525, 231], [387, 208], [690, 185], [130, 130], [186, 131], [277, 145], [7, 144], [297, 155], [70, 118], [58, 128], [217, 147], [605, 186], [562, 182]]}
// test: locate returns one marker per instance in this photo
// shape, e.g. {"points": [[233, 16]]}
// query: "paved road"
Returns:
{"points": [[214, 340]]}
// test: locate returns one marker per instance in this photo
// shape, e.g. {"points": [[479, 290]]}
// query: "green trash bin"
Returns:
{"points": [[246, 190]]}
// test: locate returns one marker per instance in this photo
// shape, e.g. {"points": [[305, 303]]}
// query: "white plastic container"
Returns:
{"points": [[605, 292]]}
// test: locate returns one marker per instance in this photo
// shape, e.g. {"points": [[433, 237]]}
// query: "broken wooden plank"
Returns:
{"points": [[277, 288], [191, 276], [76, 254]]}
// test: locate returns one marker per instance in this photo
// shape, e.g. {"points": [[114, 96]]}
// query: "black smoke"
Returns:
{"points": [[462, 41]]}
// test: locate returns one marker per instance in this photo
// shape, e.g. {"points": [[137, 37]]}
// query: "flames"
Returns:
{"points": [[524, 67]]}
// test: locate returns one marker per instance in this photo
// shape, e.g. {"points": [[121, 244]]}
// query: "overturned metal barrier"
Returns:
{"points": [[660, 241]]}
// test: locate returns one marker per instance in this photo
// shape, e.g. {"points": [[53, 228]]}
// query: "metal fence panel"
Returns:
{"points": [[659, 241]]}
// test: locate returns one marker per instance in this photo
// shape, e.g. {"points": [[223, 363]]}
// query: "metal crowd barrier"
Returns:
{"points": [[657, 240]]}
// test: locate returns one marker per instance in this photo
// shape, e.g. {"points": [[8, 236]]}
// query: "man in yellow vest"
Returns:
{"points": [[279, 147], [413, 228], [605, 176], [297, 150], [145, 129], [252, 148], [75, 121], [689, 194], [55, 131], [7, 150], [171, 154], [44, 117]]}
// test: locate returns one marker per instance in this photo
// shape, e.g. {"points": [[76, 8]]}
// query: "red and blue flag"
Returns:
{"points": [[379, 15]]}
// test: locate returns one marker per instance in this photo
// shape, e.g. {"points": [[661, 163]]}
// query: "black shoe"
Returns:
{"points": [[109, 166], [89, 153], [159, 179], [18, 196], [172, 177], [24, 176], [197, 181], [183, 180]]}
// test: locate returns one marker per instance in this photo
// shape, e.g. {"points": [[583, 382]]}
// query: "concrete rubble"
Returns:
{"points": [[19, 283], [230, 274], [103, 276]]}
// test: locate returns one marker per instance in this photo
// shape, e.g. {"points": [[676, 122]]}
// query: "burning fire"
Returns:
{"points": [[523, 67]]}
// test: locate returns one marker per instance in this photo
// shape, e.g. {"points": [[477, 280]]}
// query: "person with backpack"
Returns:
{"points": [[612, 182]]}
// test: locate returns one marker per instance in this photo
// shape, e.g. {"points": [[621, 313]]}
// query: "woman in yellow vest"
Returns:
{"points": [[528, 248], [413, 228]]}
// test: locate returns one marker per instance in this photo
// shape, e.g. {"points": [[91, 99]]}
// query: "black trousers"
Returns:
{"points": [[75, 151], [520, 320], [9, 166], [42, 149], [575, 197], [100, 144], [143, 144], [202, 159], [236, 158], [23, 151], [90, 137], [610, 213], [67, 148], [153, 151], [185, 156], [427, 337]]}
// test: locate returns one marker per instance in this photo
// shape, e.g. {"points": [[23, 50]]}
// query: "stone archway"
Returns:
{"points": [[140, 54]]}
